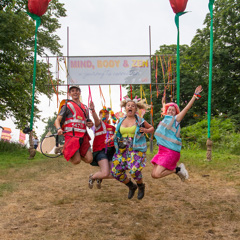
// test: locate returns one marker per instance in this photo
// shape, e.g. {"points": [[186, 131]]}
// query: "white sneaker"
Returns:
{"points": [[183, 173], [90, 181]]}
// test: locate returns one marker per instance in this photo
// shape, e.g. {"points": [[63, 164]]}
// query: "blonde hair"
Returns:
{"points": [[140, 104]]}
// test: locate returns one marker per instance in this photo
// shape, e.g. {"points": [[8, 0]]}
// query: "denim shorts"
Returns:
{"points": [[100, 155]]}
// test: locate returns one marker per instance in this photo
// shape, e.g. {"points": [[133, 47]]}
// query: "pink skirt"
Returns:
{"points": [[166, 158]]}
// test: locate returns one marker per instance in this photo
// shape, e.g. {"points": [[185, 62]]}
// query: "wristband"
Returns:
{"points": [[92, 109], [197, 96], [59, 128]]}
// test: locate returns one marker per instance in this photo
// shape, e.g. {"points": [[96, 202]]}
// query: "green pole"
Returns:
{"points": [[178, 55], [178, 64], [38, 22], [210, 6]]}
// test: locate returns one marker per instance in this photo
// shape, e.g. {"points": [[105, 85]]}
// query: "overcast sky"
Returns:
{"points": [[121, 27], [118, 27]]}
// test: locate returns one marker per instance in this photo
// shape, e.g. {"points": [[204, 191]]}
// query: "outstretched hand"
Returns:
{"points": [[198, 89], [91, 106], [196, 95]]}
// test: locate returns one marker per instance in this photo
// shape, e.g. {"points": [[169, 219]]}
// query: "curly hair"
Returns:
{"points": [[140, 104]]}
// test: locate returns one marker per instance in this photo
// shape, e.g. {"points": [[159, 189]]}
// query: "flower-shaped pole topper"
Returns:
{"points": [[36, 9], [178, 7]]}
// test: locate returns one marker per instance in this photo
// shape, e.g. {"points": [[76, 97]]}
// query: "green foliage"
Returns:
{"points": [[226, 71], [50, 127], [17, 38], [14, 155], [230, 143], [5, 146], [223, 135]]}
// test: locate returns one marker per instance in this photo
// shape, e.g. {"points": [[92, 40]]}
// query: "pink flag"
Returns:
{"points": [[22, 137], [6, 134]]}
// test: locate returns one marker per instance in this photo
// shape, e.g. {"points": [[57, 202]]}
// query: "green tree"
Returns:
{"points": [[16, 57], [195, 67], [226, 66], [51, 128]]}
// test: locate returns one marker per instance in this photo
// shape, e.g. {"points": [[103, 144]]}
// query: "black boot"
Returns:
{"points": [[141, 189], [132, 189]]}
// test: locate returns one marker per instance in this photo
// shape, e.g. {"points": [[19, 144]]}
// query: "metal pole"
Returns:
{"points": [[150, 52], [67, 59]]}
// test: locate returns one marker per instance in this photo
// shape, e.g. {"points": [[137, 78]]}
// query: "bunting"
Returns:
{"points": [[102, 97], [110, 96], [131, 91], [163, 71], [142, 93], [90, 95]]}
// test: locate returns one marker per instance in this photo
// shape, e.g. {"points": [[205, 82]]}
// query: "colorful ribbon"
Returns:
{"points": [[90, 95]]}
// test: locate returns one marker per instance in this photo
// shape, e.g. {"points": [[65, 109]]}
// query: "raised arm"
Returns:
{"points": [[181, 115], [95, 116]]}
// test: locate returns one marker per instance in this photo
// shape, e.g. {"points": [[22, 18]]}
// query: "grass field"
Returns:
{"points": [[50, 199]]}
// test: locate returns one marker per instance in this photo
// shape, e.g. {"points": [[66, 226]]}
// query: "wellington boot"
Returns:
{"points": [[141, 190], [132, 190]]}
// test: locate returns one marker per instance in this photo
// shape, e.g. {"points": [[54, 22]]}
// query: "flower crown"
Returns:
{"points": [[108, 110], [135, 100]]}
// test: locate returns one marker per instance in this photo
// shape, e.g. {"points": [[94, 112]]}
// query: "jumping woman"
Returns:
{"points": [[169, 141], [131, 147], [102, 151]]}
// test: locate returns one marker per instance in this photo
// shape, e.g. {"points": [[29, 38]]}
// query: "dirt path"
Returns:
{"points": [[52, 201]]}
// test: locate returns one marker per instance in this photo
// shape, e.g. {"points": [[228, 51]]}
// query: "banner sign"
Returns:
{"points": [[109, 70], [22, 137], [6, 134]]}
